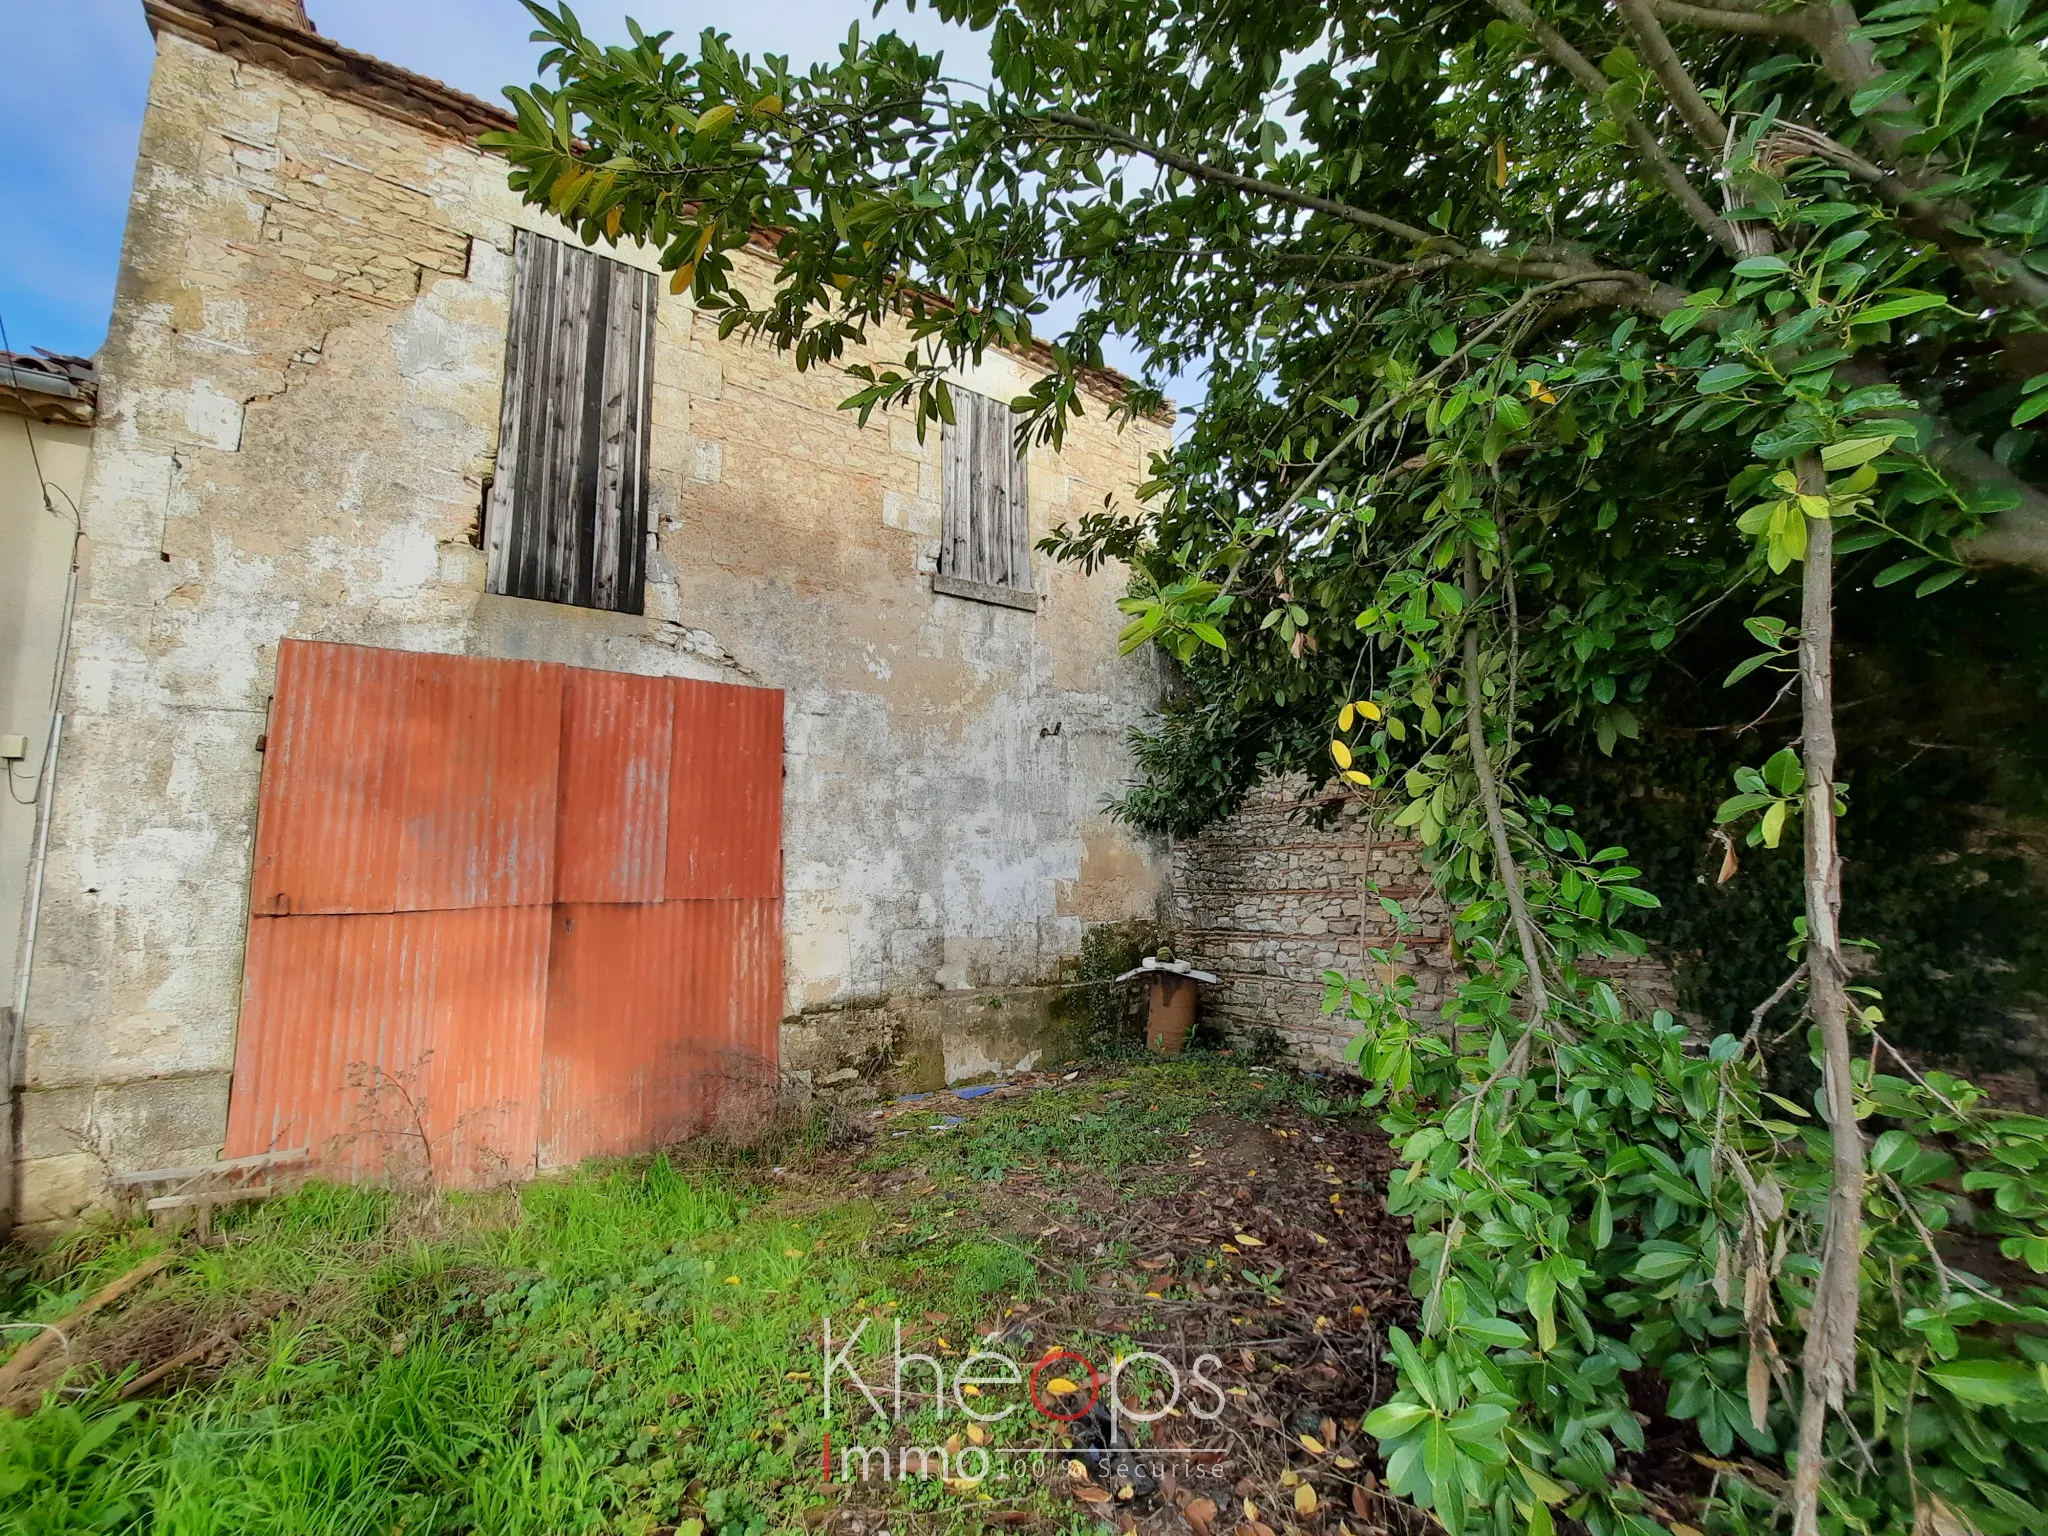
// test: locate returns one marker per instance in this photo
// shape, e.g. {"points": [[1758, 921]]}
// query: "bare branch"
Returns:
{"points": [[1272, 191], [1705, 123], [1647, 149], [1496, 821], [1722, 19]]}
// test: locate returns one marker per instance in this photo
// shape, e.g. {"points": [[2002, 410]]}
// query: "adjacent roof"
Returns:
{"points": [[50, 386]]}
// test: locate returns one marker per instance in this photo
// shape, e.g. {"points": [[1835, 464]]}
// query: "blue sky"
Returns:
{"points": [[78, 73]]}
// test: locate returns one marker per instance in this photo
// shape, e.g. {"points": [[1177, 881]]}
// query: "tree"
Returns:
{"points": [[1506, 313]]}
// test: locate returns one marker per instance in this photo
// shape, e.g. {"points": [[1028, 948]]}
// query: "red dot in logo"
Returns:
{"points": [[1094, 1386]]}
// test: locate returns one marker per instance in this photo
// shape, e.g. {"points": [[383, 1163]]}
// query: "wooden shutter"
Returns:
{"points": [[568, 515], [987, 521]]}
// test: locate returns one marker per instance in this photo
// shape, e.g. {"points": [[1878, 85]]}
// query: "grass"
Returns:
{"points": [[629, 1349]]}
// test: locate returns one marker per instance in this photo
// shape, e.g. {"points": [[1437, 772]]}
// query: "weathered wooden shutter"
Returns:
{"points": [[568, 513], [987, 506]]}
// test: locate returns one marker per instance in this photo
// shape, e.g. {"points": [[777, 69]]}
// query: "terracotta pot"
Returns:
{"points": [[1173, 1013]]}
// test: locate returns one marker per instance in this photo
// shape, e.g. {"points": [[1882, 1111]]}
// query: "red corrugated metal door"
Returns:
{"points": [[470, 948], [665, 990]]}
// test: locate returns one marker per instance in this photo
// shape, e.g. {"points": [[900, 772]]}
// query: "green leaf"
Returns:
{"points": [[1495, 1332], [1994, 1383], [1773, 824], [1856, 450], [1391, 1420], [1900, 571], [1893, 1151], [1784, 772], [1762, 266], [1896, 309], [1725, 376], [1539, 1290]]}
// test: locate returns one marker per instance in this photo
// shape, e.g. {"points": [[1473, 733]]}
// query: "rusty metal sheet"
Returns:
{"points": [[482, 754], [460, 958], [725, 792], [330, 816], [611, 838], [396, 1045], [396, 782], [662, 1023]]}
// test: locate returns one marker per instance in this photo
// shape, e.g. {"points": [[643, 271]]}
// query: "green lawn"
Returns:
{"points": [[629, 1349]]}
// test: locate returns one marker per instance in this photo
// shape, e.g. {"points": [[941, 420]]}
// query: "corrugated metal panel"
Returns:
{"points": [[482, 754], [330, 819], [725, 792], [611, 842], [532, 808], [661, 1018], [400, 782], [402, 1045]]}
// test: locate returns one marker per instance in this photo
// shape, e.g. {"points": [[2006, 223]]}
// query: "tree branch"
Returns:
{"points": [[1829, 1362], [2018, 536], [1496, 820], [1705, 123], [1273, 191], [1648, 151], [1718, 19]]}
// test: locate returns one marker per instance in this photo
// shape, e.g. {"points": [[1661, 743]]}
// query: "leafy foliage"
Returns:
{"points": [[1499, 405]]}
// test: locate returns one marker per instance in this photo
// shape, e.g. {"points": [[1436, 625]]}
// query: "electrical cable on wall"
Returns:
{"points": [[45, 486]]}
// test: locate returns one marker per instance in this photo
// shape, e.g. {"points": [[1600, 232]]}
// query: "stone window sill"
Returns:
{"points": [[984, 592]]}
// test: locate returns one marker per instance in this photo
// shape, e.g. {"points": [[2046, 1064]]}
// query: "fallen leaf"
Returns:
{"points": [[1251, 1510], [792, 1253], [963, 1484], [1314, 1446], [969, 1389], [1249, 1241], [1289, 1478], [1361, 1502], [1078, 1471], [1228, 1247], [1329, 1430], [953, 1444], [1061, 1384], [977, 1434], [1305, 1500], [1088, 1493], [1346, 1464], [732, 1279], [1200, 1515], [1126, 1492]]}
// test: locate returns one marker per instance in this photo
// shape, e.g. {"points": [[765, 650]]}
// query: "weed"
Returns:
{"points": [[624, 1349]]}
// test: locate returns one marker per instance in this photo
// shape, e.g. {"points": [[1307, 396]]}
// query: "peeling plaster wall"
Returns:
{"points": [[298, 413]]}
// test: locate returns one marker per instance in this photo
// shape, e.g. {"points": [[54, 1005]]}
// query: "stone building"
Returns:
{"points": [[303, 406]]}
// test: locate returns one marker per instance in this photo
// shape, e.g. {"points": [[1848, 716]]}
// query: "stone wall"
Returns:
{"points": [[1269, 903], [298, 417]]}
